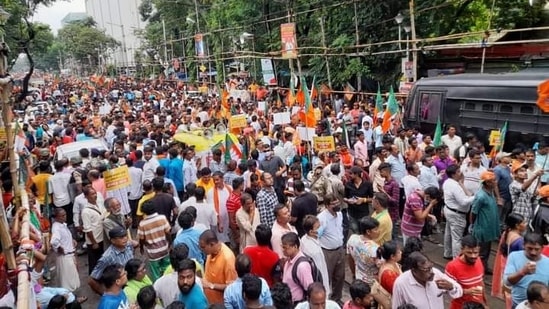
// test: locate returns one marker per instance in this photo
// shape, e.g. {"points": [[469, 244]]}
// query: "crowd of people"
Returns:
{"points": [[279, 226]]}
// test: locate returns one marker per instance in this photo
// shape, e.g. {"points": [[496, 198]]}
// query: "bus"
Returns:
{"points": [[480, 103]]}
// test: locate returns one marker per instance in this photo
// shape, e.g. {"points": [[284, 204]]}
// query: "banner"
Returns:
{"points": [[243, 95], [324, 143], [268, 72], [117, 178], [199, 45], [289, 42], [494, 138], [238, 121]]}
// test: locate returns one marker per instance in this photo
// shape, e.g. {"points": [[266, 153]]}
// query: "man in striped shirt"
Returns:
{"points": [[119, 252], [416, 212], [153, 233]]}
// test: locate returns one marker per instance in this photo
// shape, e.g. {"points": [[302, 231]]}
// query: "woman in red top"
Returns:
{"points": [[390, 269]]}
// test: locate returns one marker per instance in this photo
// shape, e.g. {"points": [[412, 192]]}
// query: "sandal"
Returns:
{"points": [[81, 299]]}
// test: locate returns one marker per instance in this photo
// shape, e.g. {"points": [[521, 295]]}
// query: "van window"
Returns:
{"points": [[526, 110], [430, 106], [487, 107], [506, 109], [412, 109], [470, 106]]}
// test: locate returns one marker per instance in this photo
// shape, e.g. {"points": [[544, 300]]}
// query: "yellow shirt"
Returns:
{"points": [[219, 269], [385, 226], [143, 199], [40, 182], [206, 185]]}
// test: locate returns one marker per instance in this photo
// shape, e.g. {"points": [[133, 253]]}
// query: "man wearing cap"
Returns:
{"points": [[485, 217], [523, 189], [119, 252], [78, 176], [504, 179]]}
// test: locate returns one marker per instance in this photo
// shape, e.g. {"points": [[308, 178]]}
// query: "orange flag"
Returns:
{"points": [[225, 99], [300, 97]]}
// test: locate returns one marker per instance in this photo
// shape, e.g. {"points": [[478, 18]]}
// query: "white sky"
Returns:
{"points": [[52, 15]]}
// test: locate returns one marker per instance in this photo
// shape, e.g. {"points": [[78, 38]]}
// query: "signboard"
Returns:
{"points": [[199, 45], [407, 68], [306, 134], [495, 136], [289, 42], [324, 143], [268, 72], [117, 178], [405, 87], [238, 121]]}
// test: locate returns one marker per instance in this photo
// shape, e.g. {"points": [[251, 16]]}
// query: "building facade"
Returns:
{"points": [[121, 20]]}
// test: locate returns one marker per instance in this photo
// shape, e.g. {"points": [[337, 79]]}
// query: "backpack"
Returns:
{"points": [[315, 272]]}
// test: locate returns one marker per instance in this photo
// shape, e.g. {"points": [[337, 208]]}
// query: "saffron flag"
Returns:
{"points": [[290, 98], [349, 92], [229, 147], [309, 119], [379, 105], [392, 109], [437, 137]]}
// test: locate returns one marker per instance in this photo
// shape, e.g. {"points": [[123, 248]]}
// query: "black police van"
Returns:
{"points": [[480, 103]]}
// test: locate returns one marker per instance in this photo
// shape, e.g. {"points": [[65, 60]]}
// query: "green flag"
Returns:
{"points": [[228, 146], [345, 135], [379, 105], [438, 134], [503, 132]]}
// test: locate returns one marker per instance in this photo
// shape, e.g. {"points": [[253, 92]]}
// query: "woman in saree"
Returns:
{"points": [[511, 240]]}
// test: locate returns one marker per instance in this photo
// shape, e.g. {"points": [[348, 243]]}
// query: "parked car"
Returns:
{"points": [[72, 149]]}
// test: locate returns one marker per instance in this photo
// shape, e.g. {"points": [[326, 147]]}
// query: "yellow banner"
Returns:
{"points": [[117, 178], [495, 136], [317, 114], [238, 121], [324, 143]]}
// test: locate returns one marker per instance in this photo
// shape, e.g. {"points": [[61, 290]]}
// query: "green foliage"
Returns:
{"points": [[83, 42], [222, 22]]}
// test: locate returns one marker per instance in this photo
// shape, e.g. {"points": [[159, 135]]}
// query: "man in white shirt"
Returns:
{"points": [[135, 189], [190, 169], [428, 176], [64, 247], [92, 226], [331, 241], [458, 204], [58, 187], [471, 172], [410, 182], [451, 140], [151, 163]]}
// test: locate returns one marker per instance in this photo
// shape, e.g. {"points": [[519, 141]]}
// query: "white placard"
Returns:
{"points": [[261, 105], [306, 134], [295, 109], [281, 118]]}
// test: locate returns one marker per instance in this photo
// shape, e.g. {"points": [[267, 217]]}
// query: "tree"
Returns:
{"points": [[350, 26], [84, 43]]}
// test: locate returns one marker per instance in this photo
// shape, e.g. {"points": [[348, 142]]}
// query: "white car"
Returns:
{"points": [[71, 150]]}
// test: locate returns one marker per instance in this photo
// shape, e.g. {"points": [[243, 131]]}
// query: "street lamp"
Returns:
{"points": [[399, 19], [248, 36]]}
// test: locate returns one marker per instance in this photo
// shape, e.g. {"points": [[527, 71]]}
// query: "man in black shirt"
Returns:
{"points": [[304, 204], [163, 202], [358, 195]]}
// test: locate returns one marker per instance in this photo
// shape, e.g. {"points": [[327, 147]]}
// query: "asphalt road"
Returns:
{"points": [[434, 252]]}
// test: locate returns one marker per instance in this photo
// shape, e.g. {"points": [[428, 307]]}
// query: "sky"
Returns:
{"points": [[52, 15]]}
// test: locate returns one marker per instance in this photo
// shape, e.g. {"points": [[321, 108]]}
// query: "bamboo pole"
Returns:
{"points": [[23, 275]]}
